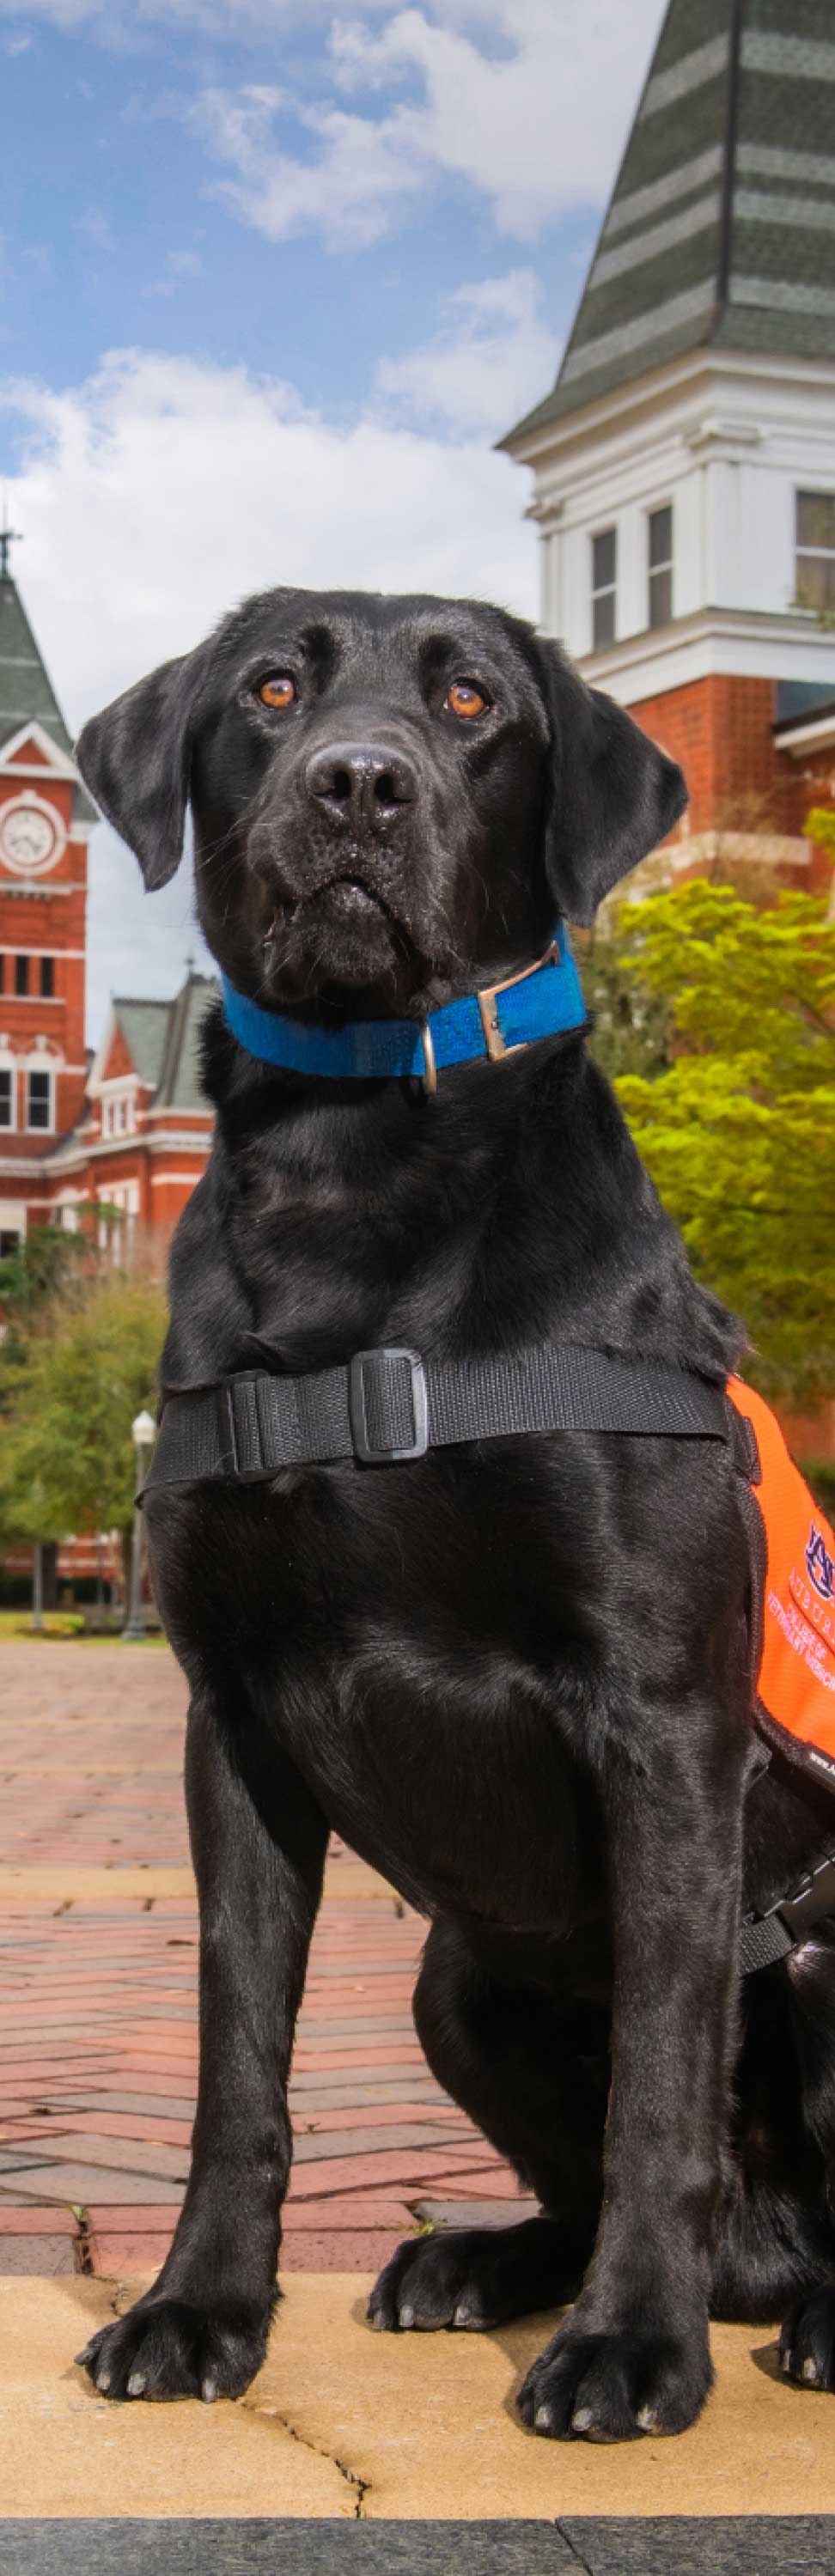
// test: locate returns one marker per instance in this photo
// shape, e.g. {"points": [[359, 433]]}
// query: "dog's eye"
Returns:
{"points": [[278, 691], [465, 700]]}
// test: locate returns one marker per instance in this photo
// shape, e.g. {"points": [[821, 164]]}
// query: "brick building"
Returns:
{"points": [[129, 1129], [684, 463]]}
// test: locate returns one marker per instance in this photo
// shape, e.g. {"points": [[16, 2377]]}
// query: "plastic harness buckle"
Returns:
{"points": [[388, 1406]]}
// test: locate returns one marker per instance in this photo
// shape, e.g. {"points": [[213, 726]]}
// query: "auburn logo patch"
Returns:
{"points": [[820, 1566]]}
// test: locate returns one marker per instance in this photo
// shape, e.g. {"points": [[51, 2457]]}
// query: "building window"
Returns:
{"points": [[6, 1096], [38, 1099], [660, 566], [9, 1242], [21, 975], [604, 560], [815, 550], [47, 978]]}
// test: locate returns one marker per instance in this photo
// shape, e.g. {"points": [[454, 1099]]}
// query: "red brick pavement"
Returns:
{"points": [[98, 2003]]}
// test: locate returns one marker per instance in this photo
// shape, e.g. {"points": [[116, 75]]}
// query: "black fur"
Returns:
{"points": [[515, 1676]]}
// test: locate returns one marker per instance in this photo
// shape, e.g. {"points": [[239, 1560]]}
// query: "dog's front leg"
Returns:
{"points": [[258, 1842], [633, 2356]]}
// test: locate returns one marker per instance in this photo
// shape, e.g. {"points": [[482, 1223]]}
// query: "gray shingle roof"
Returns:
{"points": [[721, 227], [26, 691], [163, 1041]]}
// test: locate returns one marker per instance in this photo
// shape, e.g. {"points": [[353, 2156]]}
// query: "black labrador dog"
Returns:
{"points": [[513, 1674]]}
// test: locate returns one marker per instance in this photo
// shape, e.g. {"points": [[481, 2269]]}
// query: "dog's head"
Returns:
{"points": [[392, 798]]}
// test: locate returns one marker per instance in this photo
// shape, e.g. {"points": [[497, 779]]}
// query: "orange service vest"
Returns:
{"points": [[795, 1611]]}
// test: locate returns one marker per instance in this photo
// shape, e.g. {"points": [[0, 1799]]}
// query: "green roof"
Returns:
{"points": [[163, 1041], [26, 692], [721, 228]]}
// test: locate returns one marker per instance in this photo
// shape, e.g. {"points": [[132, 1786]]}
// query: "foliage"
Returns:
{"points": [[820, 827], [632, 1026], [69, 1389], [739, 1130], [42, 1266]]}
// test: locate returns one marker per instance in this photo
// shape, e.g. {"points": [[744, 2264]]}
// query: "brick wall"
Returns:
{"points": [[720, 730]]}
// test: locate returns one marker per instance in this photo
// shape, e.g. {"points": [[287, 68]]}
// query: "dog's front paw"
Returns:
{"points": [[611, 2387], [171, 2348], [807, 2342], [473, 2278]]}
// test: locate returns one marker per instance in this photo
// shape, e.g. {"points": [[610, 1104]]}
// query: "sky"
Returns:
{"points": [[274, 277]]}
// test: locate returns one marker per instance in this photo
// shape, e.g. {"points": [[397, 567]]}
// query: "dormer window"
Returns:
{"points": [[118, 1113], [814, 585], [604, 575], [660, 566]]}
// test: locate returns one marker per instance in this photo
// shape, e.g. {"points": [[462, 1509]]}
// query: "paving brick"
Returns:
{"points": [[98, 2002], [49, 2254], [16, 2221], [338, 2250]]}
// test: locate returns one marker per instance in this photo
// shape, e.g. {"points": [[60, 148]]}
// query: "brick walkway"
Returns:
{"points": [[98, 2000]]}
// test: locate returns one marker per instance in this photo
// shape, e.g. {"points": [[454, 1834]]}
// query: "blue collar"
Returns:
{"points": [[542, 1001]]}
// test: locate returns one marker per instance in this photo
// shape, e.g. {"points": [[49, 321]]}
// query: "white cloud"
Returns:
{"points": [[492, 360], [121, 22], [350, 189], [178, 267], [162, 491], [529, 108], [525, 101]]}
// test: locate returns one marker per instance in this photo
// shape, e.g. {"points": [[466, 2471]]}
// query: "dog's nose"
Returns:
{"points": [[361, 783]]}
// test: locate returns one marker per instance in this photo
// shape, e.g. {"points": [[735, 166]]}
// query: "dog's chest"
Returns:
{"points": [[411, 1647]]}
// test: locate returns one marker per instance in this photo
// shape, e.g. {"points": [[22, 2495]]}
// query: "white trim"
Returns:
{"points": [[818, 735], [616, 408], [58, 762], [207, 1114], [8, 951], [161, 1180], [740, 643], [14, 888]]}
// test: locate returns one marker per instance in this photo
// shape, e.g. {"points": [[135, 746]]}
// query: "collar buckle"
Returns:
{"points": [[494, 1037]]}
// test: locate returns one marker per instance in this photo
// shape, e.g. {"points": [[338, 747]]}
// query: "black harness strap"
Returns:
{"points": [[789, 1923], [389, 1405]]}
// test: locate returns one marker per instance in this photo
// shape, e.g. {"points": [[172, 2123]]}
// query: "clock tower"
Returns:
{"points": [[45, 825]]}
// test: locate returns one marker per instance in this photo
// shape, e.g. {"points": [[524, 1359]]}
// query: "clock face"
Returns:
{"points": [[30, 837]]}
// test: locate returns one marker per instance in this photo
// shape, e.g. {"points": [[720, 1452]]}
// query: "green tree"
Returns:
{"points": [[820, 828], [739, 1130], [70, 1390], [632, 1025]]}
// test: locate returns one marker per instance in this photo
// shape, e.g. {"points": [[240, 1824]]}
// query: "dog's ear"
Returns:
{"points": [[136, 760], [614, 794]]}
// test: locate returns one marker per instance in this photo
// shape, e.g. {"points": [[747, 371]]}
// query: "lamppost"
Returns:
{"points": [[143, 1432]]}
